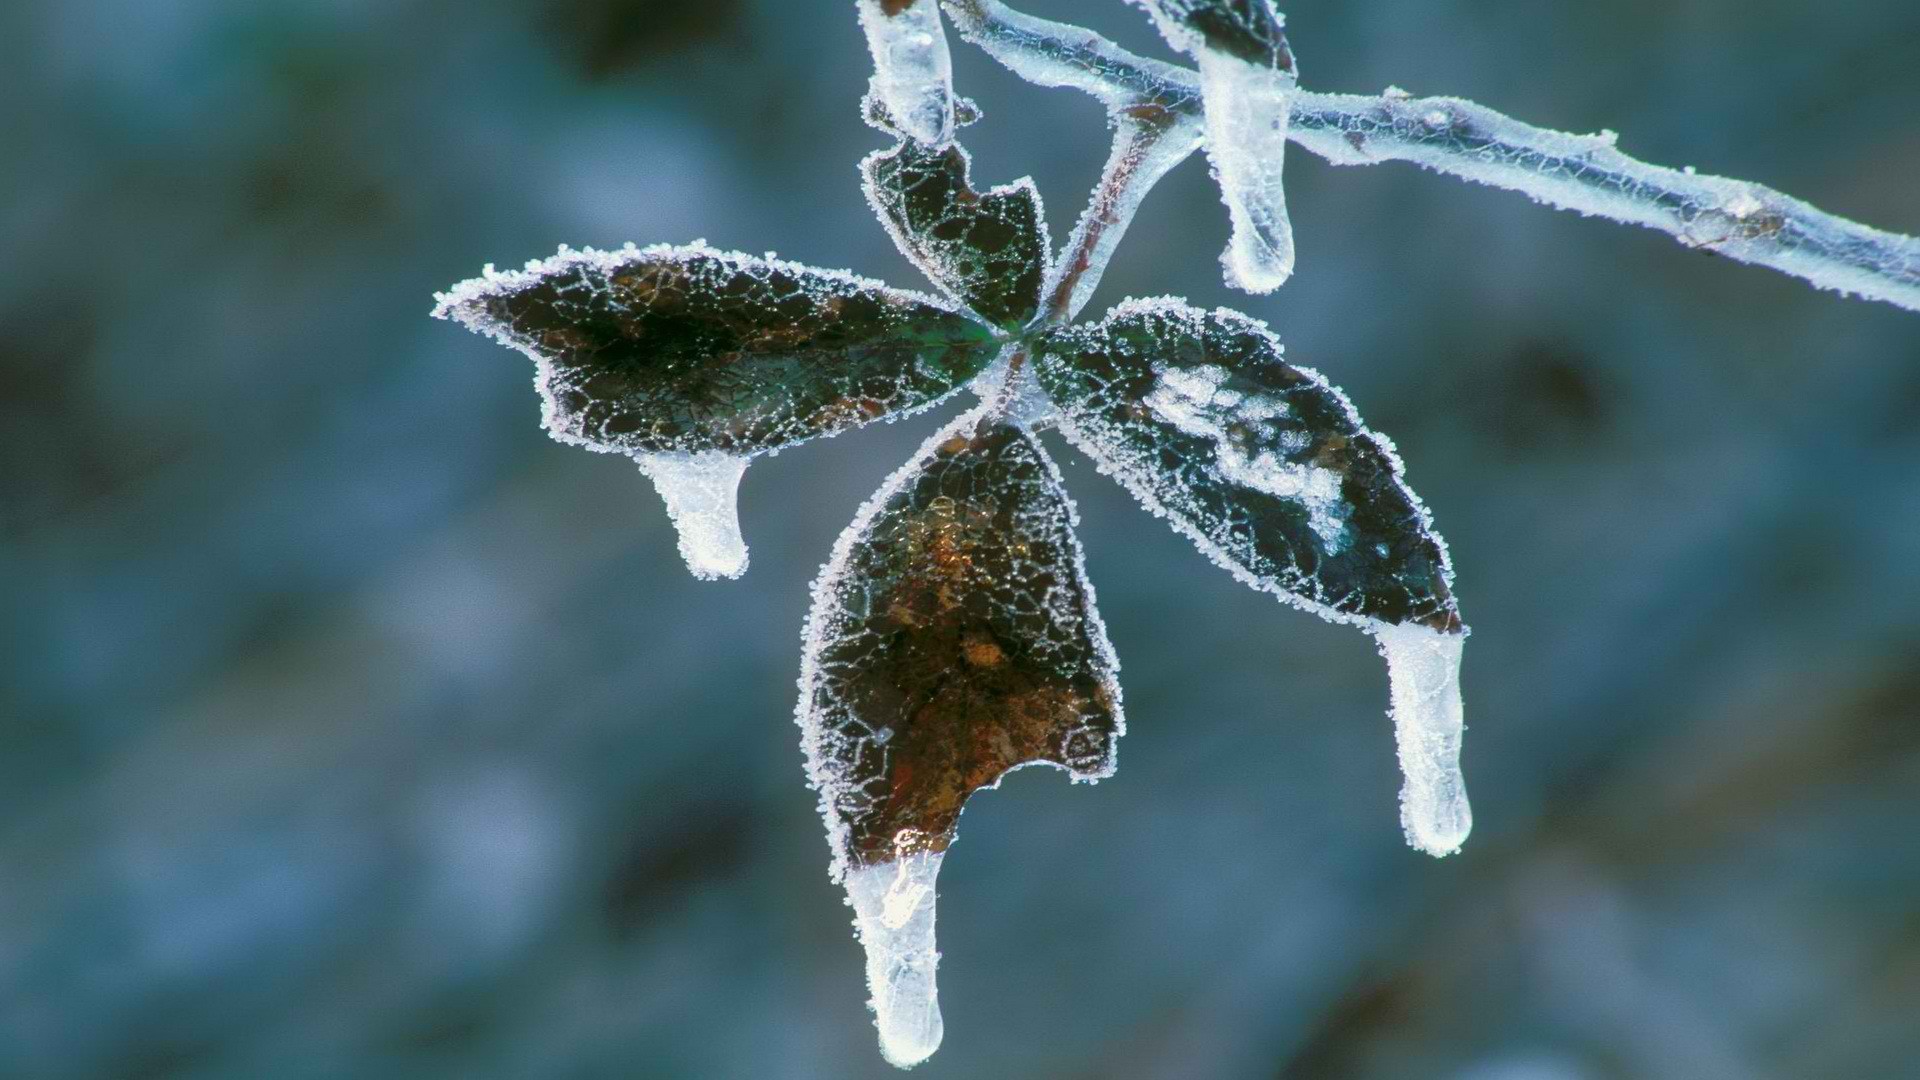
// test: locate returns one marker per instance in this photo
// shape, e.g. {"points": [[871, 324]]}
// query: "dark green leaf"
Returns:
{"points": [[953, 637], [989, 250], [687, 349], [1265, 466]]}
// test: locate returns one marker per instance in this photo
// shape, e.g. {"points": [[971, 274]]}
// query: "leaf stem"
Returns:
{"points": [[1148, 140]]}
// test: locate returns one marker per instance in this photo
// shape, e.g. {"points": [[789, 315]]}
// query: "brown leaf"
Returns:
{"points": [[953, 638]]}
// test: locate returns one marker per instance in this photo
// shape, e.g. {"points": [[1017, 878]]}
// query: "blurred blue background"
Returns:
{"points": [[352, 728]]}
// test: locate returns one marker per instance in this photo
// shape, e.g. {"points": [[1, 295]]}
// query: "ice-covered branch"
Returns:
{"points": [[1738, 219]]}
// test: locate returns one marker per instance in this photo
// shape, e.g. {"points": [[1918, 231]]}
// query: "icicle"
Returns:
{"points": [[702, 493], [1246, 106], [1423, 666], [912, 71], [893, 902]]}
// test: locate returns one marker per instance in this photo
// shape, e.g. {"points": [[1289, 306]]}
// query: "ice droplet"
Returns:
{"points": [[893, 907], [1423, 666], [702, 493], [1246, 107], [912, 70]]}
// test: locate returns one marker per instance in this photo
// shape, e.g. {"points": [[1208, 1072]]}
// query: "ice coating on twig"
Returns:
{"points": [[893, 904], [1743, 221], [1423, 666], [1246, 107], [702, 493], [624, 344], [912, 70]]}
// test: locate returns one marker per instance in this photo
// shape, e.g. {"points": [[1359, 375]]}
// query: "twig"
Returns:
{"points": [[1740, 220], [1148, 141]]}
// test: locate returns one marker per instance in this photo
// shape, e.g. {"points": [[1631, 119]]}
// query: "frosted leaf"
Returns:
{"points": [[953, 637], [1423, 666], [687, 349], [702, 493], [988, 250], [893, 913], [1247, 76], [912, 70], [1263, 465]]}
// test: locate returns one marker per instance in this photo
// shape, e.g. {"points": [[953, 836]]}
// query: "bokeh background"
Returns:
{"points": [[349, 727]]}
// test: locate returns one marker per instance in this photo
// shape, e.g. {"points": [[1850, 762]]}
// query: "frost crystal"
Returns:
{"points": [[702, 493], [1423, 666], [685, 349], [953, 639], [912, 71], [893, 913]]}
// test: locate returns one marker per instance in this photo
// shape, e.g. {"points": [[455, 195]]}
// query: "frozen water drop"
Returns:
{"points": [[893, 904], [702, 493], [1246, 108], [1423, 667], [912, 70]]}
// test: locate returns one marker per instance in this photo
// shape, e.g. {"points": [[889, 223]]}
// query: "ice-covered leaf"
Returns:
{"points": [[687, 349], [987, 249], [1269, 471], [912, 70], [1264, 465], [953, 638], [1246, 77], [692, 360]]}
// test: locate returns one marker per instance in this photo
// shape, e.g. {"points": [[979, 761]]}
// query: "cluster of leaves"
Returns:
{"points": [[954, 636]]}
